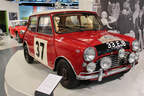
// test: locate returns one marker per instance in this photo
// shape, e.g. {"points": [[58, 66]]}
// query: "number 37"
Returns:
{"points": [[39, 45]]}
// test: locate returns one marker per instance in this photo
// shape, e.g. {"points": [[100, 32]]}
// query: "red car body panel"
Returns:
{"points": [[80, 41], [71, 46], [17, 29]]}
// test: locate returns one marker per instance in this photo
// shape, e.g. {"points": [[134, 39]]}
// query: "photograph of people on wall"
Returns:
{"points": [[125, 16]]}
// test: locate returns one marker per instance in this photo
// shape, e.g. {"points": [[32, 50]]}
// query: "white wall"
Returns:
{"points": [[9, 7], [86, 4]]}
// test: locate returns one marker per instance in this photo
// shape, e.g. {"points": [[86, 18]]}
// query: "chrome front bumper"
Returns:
{"points": [[101, 74]]}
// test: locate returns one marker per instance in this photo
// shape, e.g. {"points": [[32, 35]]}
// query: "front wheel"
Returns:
{"points": [[69, 79], [18, 38], [10, 34], [28, 58]]}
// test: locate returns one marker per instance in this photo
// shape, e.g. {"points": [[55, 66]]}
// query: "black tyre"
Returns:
{"points": [[19, 40], [10, 34], [28, 58], [69, 79]]}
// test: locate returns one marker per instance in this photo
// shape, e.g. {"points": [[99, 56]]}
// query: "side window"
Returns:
{"points": [[33, 24], [44, 26]]}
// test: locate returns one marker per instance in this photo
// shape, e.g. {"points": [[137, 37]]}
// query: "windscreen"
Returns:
{"points": [[76, 22]]}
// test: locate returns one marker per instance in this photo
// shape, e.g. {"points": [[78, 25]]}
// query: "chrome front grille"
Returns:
{"points": [[116, 61]]}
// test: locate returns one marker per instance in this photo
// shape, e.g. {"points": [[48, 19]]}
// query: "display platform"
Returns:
{"points": [[21, 79]]}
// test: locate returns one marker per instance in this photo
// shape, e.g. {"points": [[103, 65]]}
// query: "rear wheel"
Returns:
{"points": [[69, 79], [28, 58]]}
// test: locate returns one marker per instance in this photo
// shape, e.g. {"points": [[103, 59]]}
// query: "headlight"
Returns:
{"points": [[106, 63], [135, 46], [121, 53], [91, 67], [132, 58], [22, 31], [89, 54]]}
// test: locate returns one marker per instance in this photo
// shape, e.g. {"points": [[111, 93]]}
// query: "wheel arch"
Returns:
{"points": [[25, 43], [67, 60]]}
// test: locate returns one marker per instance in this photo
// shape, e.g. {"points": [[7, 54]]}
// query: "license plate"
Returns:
{"points": [[116, 44]]}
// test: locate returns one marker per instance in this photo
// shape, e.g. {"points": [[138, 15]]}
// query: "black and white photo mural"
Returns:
{"points": [[123, 16], [13, 16]]}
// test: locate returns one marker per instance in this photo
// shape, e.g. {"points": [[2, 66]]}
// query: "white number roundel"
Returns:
{"points": [[40, 50]]}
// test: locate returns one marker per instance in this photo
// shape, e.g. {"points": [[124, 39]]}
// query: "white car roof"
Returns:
{"points": [[60, 10], [18, 20]]}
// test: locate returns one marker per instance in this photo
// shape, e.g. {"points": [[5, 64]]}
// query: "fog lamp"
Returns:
{"points": [[132, 58], [91, 67], [106, 63], [136, 56], [135, 45]]}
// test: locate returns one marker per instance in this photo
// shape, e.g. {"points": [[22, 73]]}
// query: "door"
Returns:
{"points": [[44, 49], [31, 33]]}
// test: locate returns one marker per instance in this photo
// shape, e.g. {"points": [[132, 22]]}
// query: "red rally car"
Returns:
{"points": [[75, 44], [17, 29]]}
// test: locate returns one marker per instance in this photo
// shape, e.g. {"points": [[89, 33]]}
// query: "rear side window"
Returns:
{"points": [[33, 24], [44, 26]]}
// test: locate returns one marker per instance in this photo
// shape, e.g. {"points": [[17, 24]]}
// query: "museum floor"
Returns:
{"points": [[7, 48], [131, 84]]}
